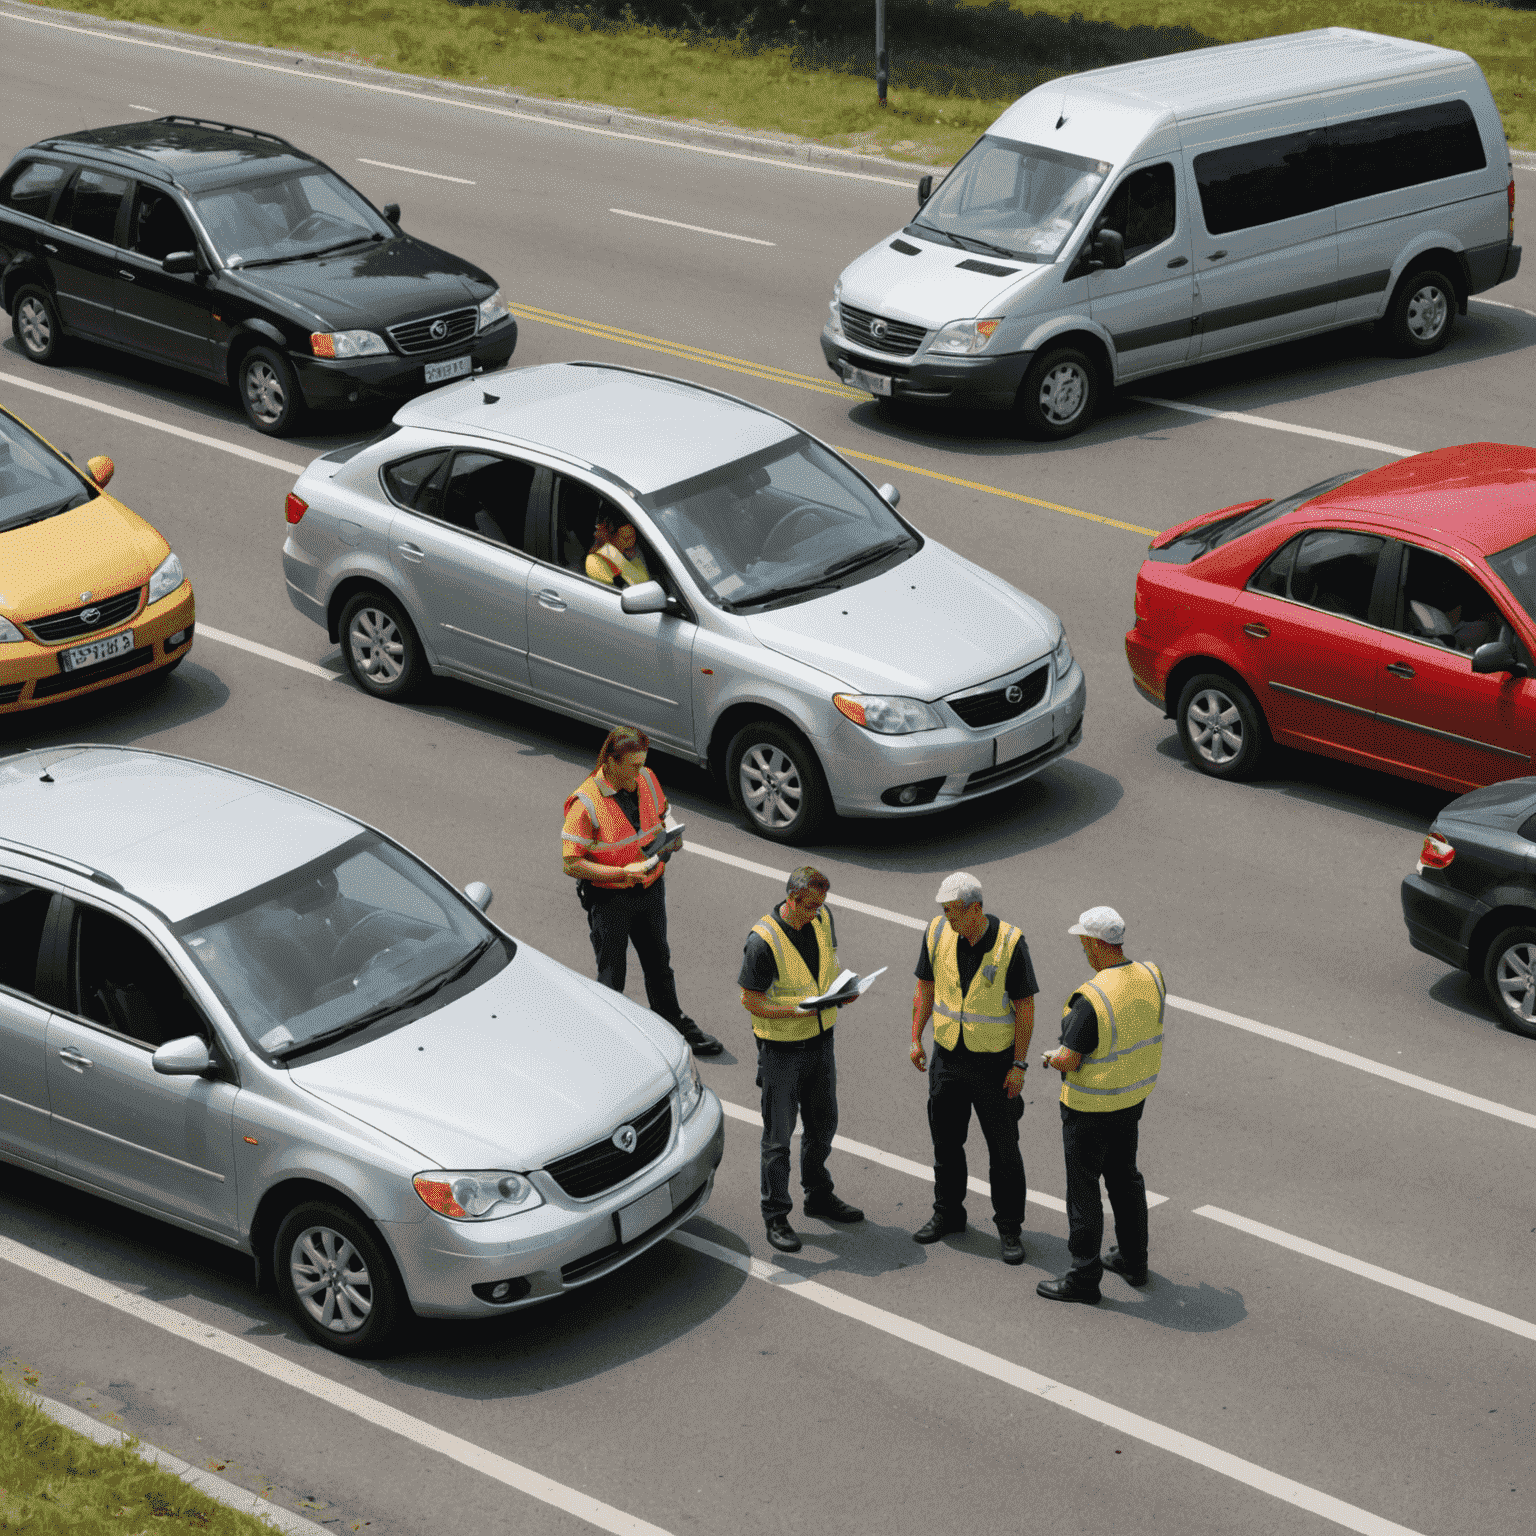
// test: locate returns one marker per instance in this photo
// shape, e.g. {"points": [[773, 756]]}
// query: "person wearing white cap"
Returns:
{"points": [[975, 980], [1110, 1053]]}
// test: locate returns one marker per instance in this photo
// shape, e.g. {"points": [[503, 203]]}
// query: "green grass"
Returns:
{"points": [[54, 1482]]}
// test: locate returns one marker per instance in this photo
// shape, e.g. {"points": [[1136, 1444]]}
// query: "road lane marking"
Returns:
{"points": [[410, 170], [1279, 426], [370, 1410], [1350, 1516], [1430, 1293], [1519, 309], [698, 229], [256, 648], [212, 54], [133, 106]]}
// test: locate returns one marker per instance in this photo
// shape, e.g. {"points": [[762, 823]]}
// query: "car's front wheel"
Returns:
{"points": [[334, 1274], [269, 392], [1221, 727], [776, 782], [380, 648], [35, 325], [1059, 395], [1509, 973]]}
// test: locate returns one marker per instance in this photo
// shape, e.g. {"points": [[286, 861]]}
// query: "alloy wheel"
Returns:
{"points": [[1427, 313], [264, 392], [1063, 394], [376, 645], [35, 325], [1215, 727], [1515, 975], [331, 1280], [770, 785]]}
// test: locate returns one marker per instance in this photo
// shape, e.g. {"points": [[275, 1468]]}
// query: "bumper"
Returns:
{"points": [[1143, 659], [31, 674], [983, 383], [335, 384], [1440, 921], [560, 1245], [1511, 264]]}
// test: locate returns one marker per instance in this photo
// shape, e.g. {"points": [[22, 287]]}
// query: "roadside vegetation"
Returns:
{"points": [[805, 68], [54, 1482]]}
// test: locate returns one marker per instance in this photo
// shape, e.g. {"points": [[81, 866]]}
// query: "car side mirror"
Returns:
{"points": [[1498, 656], [392, 213], [101, 469], [1109, 249], [187, 1057], [890, 495], [648, 597], [924, 189], [479, 894], [180, 261]]}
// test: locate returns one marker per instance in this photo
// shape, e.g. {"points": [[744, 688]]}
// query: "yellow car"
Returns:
{"points": [[90, 594]]}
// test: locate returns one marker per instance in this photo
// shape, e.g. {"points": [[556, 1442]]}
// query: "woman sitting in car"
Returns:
{"points": [[615, 556]]}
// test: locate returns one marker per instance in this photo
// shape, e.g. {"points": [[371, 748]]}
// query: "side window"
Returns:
{"points": [[1263, 182], [23, 911], [1335, 572], [1440, 602], [487, 494], [89, 206], [158, 226], [1403, 149], [1274, 576], [596, 538], [29, 188], [122, 981], [406, 480], [1141, 209]]}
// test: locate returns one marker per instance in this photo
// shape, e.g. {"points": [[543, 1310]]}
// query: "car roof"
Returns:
{"points": [[191, 152], [1482, 494], [642, 430], [178, 835]]}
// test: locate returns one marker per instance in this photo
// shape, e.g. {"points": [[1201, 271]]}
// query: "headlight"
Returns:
{"points": [[691, 1086], [493, 310], [9, 634], [888, 717], [1063, 656], [476, 1196], [168, 576], [347, 344], [965, 336]]}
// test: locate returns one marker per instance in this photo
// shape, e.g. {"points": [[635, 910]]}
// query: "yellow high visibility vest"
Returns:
{"points": [[984, 1012], [610, 563], [794, 981], [1122, 1068]]}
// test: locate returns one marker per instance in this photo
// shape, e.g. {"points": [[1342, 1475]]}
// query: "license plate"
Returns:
{"points": [[1022, 740], [98, 650], [875, 383], [454, 368], [645, 1213]]}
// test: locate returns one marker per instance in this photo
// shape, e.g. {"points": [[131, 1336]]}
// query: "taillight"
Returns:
{"points": [[295, 508], [1436, 853]]}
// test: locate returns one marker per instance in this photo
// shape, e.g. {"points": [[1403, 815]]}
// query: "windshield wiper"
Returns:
{"points": [[67, 505], [986, 245], [867, 556], [324, 250], [934, 228], [789, 591]]}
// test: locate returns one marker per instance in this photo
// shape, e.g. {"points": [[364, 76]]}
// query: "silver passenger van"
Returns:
{"points": [[1118, 223]]}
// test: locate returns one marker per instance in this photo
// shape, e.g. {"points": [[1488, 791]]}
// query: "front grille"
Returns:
{"points": [[601, 1165], [11, 692], [416, 335], [69, 625], [980, 709], [46, 687], [899, 339]]}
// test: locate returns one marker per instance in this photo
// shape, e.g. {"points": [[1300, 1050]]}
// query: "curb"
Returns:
{"points": [[591, 115], [1524, 159], [206, 1483]]}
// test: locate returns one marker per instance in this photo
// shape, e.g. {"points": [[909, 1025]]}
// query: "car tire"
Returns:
{"points": [[269, 392], [776, 783], [35, 325], [1422, 313], [380, 647], [1509, 974], [1221, 727], [1059, 395], [337, 1279]]}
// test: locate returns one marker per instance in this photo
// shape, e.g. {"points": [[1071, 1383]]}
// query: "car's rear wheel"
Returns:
{"points": [[1509, 973], [380, 648], [1221, 727], [35, 325], [269, 392], [1422, 313], [1059, 395], [334, 1274], [776, 783]]}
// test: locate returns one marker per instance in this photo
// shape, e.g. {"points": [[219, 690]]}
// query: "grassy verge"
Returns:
{"points": [[54, 1482]]}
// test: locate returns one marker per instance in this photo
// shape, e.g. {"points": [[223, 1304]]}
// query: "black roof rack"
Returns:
{"points": [[203, 122]]}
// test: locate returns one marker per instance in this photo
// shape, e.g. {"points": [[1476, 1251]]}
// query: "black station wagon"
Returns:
{"points": [[232, 254]]}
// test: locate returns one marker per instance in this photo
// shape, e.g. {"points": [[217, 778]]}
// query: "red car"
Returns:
{"points": [[1387, 618]]}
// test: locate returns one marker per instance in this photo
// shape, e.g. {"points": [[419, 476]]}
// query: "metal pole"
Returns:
{"points": [[882, 61]]}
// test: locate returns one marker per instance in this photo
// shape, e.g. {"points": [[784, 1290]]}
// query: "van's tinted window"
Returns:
{"points": [[30, 188], [1265, 181], [89, 207], [1403, 149], [1141, 209]]}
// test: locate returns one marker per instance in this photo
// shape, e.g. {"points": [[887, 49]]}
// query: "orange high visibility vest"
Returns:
{"points": [[614, 840]]}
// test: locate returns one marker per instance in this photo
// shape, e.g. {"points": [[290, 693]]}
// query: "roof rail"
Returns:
{"points": [[204, 122], [60, 862]]}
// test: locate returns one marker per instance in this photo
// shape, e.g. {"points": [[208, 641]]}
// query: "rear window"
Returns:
{"points": [[30, 187], [1209, 536], [1403, 149], [1516, 568]]}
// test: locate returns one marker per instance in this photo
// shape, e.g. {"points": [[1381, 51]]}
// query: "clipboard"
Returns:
{"points": [[847, 987]]}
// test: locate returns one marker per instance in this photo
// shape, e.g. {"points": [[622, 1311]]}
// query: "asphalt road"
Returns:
{"points": [[1359, 1359]]}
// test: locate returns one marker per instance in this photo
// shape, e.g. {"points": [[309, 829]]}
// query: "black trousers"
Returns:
{"points": [[635, 915], [958, 1082], [798, 1077], [1103, 1146]]}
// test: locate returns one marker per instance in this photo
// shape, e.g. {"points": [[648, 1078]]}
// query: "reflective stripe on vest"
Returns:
{"points": [[615, 841], [632, 569], [984, 1012], [1122, 1068], [793, 981]]}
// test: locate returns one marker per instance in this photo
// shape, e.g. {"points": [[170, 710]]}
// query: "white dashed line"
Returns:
{"points": [[698, 229], [133, 106], [1279, 426], [256, 648], [410, 170]]}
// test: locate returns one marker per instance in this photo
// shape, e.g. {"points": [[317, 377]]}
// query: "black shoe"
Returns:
{"points": [[1115, 1260], [939, 1226], [783, 1236], [826, 1204], [698, 1042], [1013, 1248], [1066, 1289]]}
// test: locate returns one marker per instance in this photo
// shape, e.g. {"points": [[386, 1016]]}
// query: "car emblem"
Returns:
{"points": [[439, 329], [624, 1138], [90, 615], [85, 597], [878, 328], [1015, 694]]}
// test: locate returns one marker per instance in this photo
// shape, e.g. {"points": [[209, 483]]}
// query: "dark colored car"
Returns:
{"points": [[232, 254], [1471, 901]]}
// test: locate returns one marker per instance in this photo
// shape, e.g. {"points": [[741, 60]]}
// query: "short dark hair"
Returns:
{"points": [[620, 742], [807, 878]]}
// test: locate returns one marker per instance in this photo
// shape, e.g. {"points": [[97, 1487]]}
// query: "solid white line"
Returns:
{"points": [[1279, 426], [1519, 309], [256, 648], [410, 170], [604, 1516], [833, 900], [207, 54], [698, 229], [133, 106], [1446, 1299], [238, 449], [1149, 1431]]}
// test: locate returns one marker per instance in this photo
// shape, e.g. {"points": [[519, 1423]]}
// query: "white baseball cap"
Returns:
{"points": [[1100, 923], [959, 887]]}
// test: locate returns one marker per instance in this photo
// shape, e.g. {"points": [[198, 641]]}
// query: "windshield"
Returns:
{"points": [[1516, 568], [790, 518], [286, 217], [1013, 199], [34, 482], [352, 934]]}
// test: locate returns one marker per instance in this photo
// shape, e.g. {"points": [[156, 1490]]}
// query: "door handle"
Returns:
{"points": [[52, 249], [72, 1058], [1258, 631], [1400, 669], [125, 274], [1179, 261], [552, 600], [412, 553], [1214, 255]]}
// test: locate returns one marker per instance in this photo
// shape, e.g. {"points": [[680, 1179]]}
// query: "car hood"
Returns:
{"points": [[534, 1064], [932, 288], [100, 548], [368, 287], [927, 627]]}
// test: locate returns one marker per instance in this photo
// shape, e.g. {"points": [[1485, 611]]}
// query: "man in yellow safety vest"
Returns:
{"points": [[1110, 1053]]}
